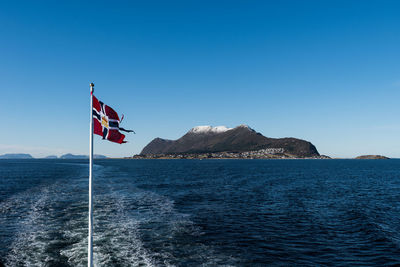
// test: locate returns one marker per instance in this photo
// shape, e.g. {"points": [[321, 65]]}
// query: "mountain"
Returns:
{"points": [[71, 156], [207, 139], [51, 157], [16, 156], [97, 156]]}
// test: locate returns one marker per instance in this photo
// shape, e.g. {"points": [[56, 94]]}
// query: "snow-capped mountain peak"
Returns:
{"points": [[209, 129]]}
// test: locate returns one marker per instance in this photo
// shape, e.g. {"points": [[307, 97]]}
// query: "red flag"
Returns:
{"points": [[106, 122]]}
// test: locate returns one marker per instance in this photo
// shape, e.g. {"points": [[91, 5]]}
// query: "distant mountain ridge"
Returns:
{"points": [[71, 156], [16, 156], [65, 156], [207, 139]]}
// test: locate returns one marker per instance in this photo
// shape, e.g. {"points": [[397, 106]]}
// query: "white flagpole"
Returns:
{"points": [[90, 237]]}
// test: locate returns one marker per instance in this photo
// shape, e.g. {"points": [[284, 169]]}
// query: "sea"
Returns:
{"points": [[201, 212]]}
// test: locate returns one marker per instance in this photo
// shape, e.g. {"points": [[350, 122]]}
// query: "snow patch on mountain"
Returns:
{"points": [[209, 129]]}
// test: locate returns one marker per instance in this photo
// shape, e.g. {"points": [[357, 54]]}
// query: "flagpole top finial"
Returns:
{"points": [[91, 87]]}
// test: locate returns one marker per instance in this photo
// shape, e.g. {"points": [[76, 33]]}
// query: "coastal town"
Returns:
{"points": [[267, 153]]}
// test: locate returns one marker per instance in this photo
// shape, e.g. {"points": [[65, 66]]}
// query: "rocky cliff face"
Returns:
{"points": [[207, 139]]}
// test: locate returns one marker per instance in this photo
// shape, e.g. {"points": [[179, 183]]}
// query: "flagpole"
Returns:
{"points": [[90, 237]]}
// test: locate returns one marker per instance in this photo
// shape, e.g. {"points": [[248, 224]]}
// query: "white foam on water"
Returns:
{"points": [[128, 230], [31, 241], [36, 222], [116, 238], [132, 227]]}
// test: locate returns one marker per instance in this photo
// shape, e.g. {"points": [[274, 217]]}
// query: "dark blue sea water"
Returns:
{"points": [[201, 213]]}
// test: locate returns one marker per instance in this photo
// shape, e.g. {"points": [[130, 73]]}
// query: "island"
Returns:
{"points": [[241, 142], [16, 156], [371, 157], [72, 156]]}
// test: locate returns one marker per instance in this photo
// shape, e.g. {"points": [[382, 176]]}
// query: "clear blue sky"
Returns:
{"points": [[324, 71]]}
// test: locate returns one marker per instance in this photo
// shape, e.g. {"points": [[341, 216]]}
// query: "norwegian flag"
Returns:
{"points": [[106, 122]]}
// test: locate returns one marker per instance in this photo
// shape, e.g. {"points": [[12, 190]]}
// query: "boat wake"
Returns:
{"points": [[132, 227]]}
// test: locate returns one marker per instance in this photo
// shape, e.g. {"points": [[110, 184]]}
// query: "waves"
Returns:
{"points": [[47, 225], [37, 218], [201, 213], [33, 225]]}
